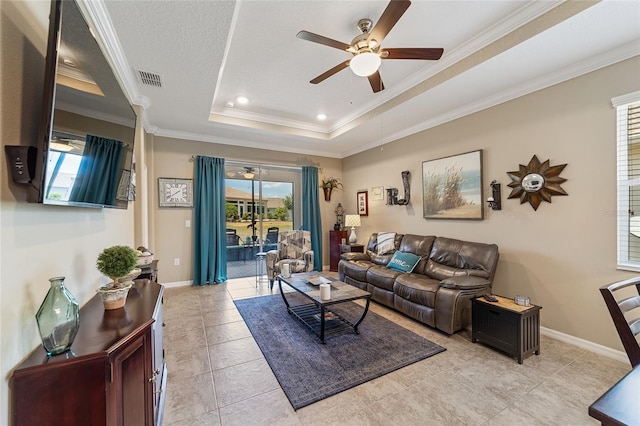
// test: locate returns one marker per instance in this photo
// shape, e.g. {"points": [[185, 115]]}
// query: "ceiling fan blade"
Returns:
{"points": [[376, 82], [329, 73], [306, 35], [412, 53], [390, 16]]}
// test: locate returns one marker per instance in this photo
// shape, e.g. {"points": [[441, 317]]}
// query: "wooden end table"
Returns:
{"points": [[504, 325], [351, 248]]}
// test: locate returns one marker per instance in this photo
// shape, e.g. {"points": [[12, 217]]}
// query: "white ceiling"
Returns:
{"points": [[210, 52]]}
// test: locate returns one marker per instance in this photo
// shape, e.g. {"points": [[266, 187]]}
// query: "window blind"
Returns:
{"points": [[628, 217]]}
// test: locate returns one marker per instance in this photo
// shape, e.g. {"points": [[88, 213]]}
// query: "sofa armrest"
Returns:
{"points": [[465, 283], [354, 256]]}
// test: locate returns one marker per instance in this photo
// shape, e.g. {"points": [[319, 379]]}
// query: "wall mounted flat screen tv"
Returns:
{"points": [[87, 127]]}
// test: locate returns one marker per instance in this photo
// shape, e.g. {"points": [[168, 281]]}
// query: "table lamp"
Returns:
{"points": [[352, 220]]}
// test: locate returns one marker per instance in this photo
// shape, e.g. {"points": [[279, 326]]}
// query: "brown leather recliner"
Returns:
{"points": [[438, 290]]}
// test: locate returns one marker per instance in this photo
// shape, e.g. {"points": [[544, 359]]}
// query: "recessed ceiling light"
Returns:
{"points": [[321, 117], [242, 100], [229, 104]]}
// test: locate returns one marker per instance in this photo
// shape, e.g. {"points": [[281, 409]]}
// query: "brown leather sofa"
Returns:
{"points": [[438, 291]]}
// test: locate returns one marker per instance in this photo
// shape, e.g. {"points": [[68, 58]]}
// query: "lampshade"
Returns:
{"points": [[352, 220], [364, 64]]}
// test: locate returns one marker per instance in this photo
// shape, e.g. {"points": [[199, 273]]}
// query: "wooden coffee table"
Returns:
{"points": [[316, 314]]}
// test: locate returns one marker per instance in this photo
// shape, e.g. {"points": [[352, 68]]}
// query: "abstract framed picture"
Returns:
{"points": [[452, 187], [363, 203]]}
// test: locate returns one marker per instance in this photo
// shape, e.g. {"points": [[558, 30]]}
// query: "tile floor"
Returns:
{"points": [[218, 376]]}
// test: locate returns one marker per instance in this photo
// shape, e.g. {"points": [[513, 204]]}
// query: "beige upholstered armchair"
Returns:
{"points": [[294, 248]]}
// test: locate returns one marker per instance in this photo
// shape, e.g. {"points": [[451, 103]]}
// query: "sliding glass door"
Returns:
{"points": [[261, 202]]}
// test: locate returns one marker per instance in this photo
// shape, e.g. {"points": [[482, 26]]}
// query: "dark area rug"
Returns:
{"points": [[309, 371]]}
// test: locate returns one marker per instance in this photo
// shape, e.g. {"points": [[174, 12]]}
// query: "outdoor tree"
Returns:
{"points": [[231, 211], [288, 202], [281, 213]]}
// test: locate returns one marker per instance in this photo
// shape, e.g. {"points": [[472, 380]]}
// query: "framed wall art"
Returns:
{"points": [[452, 187], [363, 203], [377, 193], [173, 192], [126, 187]]}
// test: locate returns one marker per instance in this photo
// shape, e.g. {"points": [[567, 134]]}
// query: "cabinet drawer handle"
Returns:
{"points": [[494, 312]]}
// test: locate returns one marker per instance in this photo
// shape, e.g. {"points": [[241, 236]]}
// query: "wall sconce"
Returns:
{"points": [[495, 201]]}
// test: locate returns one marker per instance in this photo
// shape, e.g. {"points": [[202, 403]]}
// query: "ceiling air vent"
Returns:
{"points": [[149, 78]]}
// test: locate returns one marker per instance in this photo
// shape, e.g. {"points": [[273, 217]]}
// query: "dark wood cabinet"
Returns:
{"points": [[335, 239], [507, 326], [114, 373]]}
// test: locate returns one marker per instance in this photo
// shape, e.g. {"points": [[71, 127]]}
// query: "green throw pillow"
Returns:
{"points": [[403, 262]]}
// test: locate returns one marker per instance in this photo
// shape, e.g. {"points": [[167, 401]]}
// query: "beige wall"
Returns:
{"points": [[558, 255], [172, 158], [37, 241]]}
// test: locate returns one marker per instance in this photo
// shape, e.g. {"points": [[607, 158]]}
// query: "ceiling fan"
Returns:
{"points": [[246, 172], [366, 47]]}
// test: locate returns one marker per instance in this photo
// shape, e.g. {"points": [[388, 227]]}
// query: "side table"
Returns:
{"points": [[504, 325], [261, 268], [351, 248]]}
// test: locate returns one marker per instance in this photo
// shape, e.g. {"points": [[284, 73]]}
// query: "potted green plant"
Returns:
{"points": [[329, 185], [116, 262]]}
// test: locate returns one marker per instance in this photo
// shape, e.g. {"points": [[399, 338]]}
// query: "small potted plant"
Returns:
{"points": [[116, 262], [329, 185]]}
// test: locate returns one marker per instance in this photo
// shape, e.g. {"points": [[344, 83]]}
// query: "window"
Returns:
{"points": [[265, 194], [628, 136]]}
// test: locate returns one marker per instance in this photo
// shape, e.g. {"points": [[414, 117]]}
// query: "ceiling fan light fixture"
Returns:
{"points": [[364, 64], [248, 175]]}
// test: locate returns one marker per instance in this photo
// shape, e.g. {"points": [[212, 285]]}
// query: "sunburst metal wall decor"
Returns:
{"points": [[536, 182]]}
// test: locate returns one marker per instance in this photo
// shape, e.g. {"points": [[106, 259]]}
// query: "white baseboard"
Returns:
{"points": [[585, 344]]}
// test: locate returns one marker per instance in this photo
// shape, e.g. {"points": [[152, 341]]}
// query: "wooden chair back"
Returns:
{"points": [[622, 308]]}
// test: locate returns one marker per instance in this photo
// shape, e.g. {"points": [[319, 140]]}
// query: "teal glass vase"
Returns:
{"points": [[58, 318]]}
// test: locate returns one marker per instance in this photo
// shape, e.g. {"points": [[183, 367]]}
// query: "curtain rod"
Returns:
{"points": [[248, 163]]}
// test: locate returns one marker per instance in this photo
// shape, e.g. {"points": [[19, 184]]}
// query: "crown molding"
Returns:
{"points": [[612, 57], [99, 21], [199, 137], [283, 124]]}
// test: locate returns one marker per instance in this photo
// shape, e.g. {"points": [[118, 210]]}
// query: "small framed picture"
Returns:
{"points": [[377, 193], [363, 203], [124, 186], [175, 192]]}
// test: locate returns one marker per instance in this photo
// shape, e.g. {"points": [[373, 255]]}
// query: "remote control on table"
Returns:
{"points": [[490, 297]]}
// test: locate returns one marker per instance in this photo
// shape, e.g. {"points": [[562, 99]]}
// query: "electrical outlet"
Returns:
{"points": [[176, 261], [187, 223]]}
